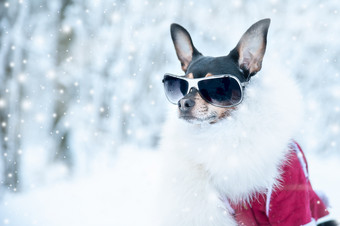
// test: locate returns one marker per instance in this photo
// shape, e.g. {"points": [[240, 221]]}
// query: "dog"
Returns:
{"points": [[230, 158]]}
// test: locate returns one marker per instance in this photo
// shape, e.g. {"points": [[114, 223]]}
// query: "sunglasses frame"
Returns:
{"points": [[193, 83]]}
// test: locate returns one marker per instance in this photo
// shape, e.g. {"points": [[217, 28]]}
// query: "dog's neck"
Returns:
{"points": [[243, 152]]}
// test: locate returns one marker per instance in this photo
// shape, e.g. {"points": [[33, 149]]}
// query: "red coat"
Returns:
{"points": [[293, 203]]}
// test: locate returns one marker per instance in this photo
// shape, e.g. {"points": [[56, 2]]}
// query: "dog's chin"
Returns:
{"points": [[198, 120]]}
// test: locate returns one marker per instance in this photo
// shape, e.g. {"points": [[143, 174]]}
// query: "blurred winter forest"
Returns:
{"points": [[79, 79]]}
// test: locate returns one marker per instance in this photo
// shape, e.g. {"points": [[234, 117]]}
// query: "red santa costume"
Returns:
{"points": [[294, 194], [247, 158]]}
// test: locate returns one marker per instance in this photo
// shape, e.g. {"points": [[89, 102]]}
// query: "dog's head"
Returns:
{"points": [[244, 61]]}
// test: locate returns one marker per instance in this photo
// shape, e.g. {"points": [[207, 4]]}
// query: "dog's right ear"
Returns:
{"points": [[185, 50]]}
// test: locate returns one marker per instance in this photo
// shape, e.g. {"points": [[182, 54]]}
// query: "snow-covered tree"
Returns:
{"points": [[81, 78]]}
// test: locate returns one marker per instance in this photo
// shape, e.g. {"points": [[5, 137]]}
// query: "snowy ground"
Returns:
{"points": [[123, 195]]}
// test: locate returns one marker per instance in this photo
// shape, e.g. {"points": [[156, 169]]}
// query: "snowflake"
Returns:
{"points": [[26, 105], [115, 17], [126, 108], [66, 28], [51, 74], [2, 103], [40, 118], [6, 221]]}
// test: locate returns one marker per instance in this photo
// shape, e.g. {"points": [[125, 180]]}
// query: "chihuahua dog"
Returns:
{"points": [[229, 151]]}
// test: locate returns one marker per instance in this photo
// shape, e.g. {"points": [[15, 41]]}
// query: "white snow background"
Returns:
{"points": [[82, 105], [122, 195]]}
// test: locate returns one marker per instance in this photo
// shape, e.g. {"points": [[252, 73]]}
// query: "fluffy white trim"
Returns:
{"points": [[234, 158]]}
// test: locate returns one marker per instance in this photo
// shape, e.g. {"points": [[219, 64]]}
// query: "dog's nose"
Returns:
{"points": [[186, 104]]}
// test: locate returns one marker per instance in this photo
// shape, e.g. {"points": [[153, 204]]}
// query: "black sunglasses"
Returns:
{"points": [[218, 90]]}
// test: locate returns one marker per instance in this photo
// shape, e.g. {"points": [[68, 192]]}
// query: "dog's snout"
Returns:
{"points": [[186, 104]]}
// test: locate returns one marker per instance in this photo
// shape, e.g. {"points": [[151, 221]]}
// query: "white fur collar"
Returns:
{"points": [[242, 154]]}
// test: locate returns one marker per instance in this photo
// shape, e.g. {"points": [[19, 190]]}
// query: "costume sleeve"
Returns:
{"points": [[290, 202]]}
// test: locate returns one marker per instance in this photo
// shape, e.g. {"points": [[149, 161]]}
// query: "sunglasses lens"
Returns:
{"points": [[175, 88], [221, 91]]}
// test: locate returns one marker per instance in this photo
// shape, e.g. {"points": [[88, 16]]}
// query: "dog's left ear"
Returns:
{"points": [[252, 46]]}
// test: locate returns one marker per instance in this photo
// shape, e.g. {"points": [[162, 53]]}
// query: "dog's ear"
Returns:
{"points": [[252, 46], [185, 50]]}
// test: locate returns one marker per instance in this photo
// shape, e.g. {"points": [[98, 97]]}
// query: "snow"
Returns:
{"points": [[125, 194], [323, 173], [88, 74]]}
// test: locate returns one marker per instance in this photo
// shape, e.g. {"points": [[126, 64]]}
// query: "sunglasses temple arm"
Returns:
{"points": [[243, 84]]}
